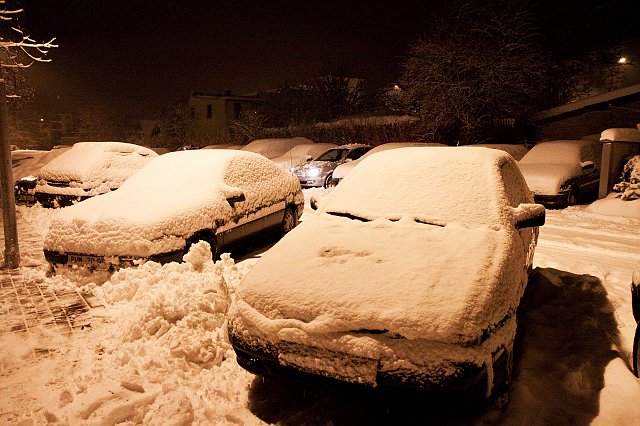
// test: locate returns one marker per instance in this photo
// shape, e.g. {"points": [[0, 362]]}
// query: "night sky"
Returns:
{"points": [[143, 54], [139, 55]]}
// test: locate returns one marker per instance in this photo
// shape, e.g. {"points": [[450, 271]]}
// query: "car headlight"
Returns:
{"points": [[313, 172]]}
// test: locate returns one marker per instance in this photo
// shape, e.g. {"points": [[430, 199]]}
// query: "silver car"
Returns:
{"points": [[319, 171]]}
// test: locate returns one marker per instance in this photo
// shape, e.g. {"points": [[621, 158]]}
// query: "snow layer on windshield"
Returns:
{"points": [[93, 167], [168, 201]]}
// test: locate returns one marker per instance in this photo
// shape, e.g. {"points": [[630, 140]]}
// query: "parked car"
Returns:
{"points": [[407, 277], [300, 154], [25, 171], [223, 146], [272, 148], [319, 172], [88, 169], [563, 172], [224, 197]]}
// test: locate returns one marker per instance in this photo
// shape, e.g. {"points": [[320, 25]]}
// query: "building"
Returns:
{"points": [[212, 113]]}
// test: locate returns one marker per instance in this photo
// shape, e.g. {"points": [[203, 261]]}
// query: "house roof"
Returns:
{"points": [[603, 99]]}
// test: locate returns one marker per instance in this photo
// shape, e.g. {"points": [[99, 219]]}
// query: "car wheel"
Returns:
{"points": [[327, 180], [636, 355], [572, 198], [210, 238], [289, 221]]}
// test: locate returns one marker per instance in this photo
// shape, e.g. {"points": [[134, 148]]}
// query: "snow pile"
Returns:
{"points": [[169, 200], [163, 354], [92, 168]]}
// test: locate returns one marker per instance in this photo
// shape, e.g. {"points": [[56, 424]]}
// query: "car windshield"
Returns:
{"points": [[336, 154]]}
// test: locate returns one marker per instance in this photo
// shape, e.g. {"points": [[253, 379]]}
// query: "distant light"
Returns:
{"points": [[42, 119], [396, 87], [622, 60]]}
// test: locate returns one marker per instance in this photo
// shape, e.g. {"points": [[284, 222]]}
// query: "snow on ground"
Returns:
{"points": [[157, 354]]}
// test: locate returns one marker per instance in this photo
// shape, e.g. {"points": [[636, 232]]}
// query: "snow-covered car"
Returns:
{"points": [[88, 169], [26, 169], [343, 169], [563, 172], [319, 172], [222, 146], [224, 197], [272, 148], [300, 154], [407, 277], [517, 151]]}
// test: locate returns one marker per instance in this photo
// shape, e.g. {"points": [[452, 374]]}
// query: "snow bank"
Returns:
{"points": [[612, 205], [162, 354]]}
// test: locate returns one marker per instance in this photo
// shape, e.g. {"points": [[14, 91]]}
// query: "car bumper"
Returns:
{"points": [[54, 200], [443, 377], [559, 200]]}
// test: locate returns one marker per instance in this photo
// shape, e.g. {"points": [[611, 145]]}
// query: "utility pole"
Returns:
{"points": [[11, 249]]}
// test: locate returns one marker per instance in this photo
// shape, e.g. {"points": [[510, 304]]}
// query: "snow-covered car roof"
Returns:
{"points": [[476, 202], [426, 252], [166, 201], [99, 162], [562, 152], [517, 151], [298, 154], [342, 170], [621, 135], [272, 148]]}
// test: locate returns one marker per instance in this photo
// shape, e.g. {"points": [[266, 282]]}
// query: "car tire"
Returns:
{"points": [[289, 221], [572, 198], [210, 238], [327, 180], [636, 355]]}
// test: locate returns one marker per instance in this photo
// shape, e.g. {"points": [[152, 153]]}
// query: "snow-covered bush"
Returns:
{"points": [[629, 186]]}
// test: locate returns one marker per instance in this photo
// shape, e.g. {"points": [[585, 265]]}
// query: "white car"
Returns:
{"points": [[300, 154], [407, 277], [563, 172], [343, 169], [272, 148], [224, 197], [88, 169]]}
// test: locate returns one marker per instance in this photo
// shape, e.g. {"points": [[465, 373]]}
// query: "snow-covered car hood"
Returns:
{"points": [[446, 284], [323, 165], [546, 179], [343, 169], [129, 224]]}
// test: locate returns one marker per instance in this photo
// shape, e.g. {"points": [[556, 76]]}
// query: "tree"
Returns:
{"points": [[18, 50], [481, 63]]}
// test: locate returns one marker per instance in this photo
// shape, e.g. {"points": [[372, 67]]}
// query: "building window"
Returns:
{"points": [[209, 111]]}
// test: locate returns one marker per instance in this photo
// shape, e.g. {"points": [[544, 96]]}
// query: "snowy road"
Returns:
{"points": [[160, 353]]}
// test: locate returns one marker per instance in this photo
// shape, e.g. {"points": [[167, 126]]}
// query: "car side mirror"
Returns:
{"points": [[528, 215], [587, 165], [235, 199]]}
